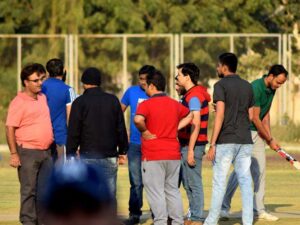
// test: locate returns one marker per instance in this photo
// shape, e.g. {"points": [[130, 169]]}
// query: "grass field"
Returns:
{"points": [[282, 193]]}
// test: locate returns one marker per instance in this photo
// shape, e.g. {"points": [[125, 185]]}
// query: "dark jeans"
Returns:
{"points": [[134, 155], [109, 167], [33, 173]]}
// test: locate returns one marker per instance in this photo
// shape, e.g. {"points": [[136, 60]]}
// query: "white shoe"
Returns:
{"points": [[267, 216], [224, 215], [188, 214]]}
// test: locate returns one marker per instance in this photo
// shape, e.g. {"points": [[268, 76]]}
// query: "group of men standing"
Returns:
{"points": [[167, 138]]}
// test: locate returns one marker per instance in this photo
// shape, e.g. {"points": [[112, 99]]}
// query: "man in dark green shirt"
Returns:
{"points": [[264, 90]]}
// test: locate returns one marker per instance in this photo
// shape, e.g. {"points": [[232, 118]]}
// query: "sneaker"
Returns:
{"points": [[224, 215], [132, 220], [267, 216], [188, 214]]}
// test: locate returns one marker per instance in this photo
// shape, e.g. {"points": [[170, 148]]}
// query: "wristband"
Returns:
{"points": [[12, 153], [212, 145]]}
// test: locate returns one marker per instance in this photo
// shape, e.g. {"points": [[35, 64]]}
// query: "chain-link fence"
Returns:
{"points": [[119, 56]]}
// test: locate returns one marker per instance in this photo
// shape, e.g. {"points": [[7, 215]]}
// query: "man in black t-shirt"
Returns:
{"points": [[231, 140]]}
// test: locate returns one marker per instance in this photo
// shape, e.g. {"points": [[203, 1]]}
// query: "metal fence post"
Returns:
{"points": [[231, 37], [71, 60], [19, 53], [287, 86], [125, 73], [66, 59]]}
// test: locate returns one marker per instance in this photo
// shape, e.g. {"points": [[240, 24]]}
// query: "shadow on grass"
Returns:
{"points": [[274, 207]]}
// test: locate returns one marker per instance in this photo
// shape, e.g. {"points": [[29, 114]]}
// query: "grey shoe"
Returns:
{"points": [[132, 220], [224, 215]]}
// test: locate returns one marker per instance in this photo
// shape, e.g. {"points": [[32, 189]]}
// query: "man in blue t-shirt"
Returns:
{"points": [[60, 97], [132, 97]]}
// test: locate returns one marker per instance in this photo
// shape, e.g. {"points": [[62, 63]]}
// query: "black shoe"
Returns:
{"points": [[132, 220]]}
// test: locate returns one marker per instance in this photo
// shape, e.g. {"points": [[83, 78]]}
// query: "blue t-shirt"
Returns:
{"points": [[59, 95], [132, 97]]}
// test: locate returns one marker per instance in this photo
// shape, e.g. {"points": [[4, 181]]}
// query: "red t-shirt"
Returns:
{"points": [[162, 115]]}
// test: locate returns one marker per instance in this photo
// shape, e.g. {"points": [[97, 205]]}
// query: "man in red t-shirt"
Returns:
{"points": [[158, 119]]}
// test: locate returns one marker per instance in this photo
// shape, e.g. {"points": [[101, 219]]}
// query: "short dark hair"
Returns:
{"points": [[278, 69], [230, 60], [40, 68], [55, 67], [31, 69], [146, 69], [157, 79], [190, 69]]}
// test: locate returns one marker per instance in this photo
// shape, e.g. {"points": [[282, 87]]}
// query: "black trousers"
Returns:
{"points": [[36, 166]]}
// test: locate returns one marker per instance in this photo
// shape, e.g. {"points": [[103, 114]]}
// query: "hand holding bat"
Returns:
{"points": [[289, 158]]}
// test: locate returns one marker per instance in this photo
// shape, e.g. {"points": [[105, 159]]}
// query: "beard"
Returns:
{"points": [[220, 75]]}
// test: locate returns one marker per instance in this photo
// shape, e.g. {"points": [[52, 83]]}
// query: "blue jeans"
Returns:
{"points": [[192, 181], [258, 172], [240, 156], [109, 168], [134, 155]]}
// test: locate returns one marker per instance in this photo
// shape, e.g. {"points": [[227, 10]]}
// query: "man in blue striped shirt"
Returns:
{"points": [[60, 97]]}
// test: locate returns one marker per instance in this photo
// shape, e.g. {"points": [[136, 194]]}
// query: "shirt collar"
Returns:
{"points": [[26, 97], [232, 75], [159, 95], [92, 90]]}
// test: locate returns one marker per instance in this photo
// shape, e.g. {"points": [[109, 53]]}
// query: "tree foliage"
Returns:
{"points": [[147, 16]]}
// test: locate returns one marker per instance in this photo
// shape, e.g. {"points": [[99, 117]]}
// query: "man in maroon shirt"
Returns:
{"points": [[158, 119]]}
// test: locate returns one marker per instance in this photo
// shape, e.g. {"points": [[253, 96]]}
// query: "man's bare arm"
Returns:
{"points": [[259, 125], [263, 128], [250, 112], [185, 121], [12, 144], [140, 124], [219, 119], [267, 124], [123, 107], [193, 138], [68, 110]]}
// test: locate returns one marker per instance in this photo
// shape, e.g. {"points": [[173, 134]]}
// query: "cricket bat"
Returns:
{"points": [[289, 158]]}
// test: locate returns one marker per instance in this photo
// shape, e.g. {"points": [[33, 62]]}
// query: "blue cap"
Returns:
{"points": [[76, 185]]}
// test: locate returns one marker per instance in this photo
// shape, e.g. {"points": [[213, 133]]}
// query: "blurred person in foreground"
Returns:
{"points": [[77, 194], [29, 136]]}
